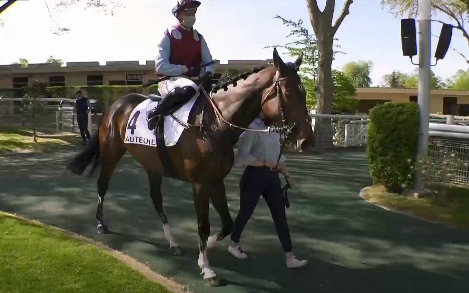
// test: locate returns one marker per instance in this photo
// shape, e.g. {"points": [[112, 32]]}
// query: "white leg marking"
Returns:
{"points": [[211, 241], [169, 236], [203, 264]]}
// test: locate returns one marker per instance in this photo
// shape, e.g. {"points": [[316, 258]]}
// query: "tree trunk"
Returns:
{"points": [[321, 22], [324, 90]]}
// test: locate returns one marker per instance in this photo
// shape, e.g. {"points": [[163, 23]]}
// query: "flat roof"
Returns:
{"points": [[388, 90], [93, 66]]}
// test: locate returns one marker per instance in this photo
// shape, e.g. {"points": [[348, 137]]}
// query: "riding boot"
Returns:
{"points": [[169, 104]]}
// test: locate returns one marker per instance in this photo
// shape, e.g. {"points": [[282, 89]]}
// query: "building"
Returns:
{"points": [[133, 73], [444, 101], [92, 73]]}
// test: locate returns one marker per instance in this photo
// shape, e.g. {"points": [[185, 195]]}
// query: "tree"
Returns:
{"points": [[435, 81], [396, 79], [325, 32], [344, 94], [305, 45], [456, 10], [22, 62], [56, 61], [459, 81], [359, 72]]}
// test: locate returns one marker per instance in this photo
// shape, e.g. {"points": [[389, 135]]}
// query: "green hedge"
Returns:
{"points": [[104, 94], [392, 144]]}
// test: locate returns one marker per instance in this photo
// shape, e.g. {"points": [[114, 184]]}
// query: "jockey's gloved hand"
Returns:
{"points": [[193, 71], [207, 81]]}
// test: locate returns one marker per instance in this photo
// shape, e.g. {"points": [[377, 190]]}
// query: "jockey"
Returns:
{"points": [[181, 51]]}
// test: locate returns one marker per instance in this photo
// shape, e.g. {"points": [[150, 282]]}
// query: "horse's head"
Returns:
{"points": [[285, 102]]}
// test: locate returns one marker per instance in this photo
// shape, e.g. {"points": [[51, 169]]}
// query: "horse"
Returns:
{"points": [[204, 153]]}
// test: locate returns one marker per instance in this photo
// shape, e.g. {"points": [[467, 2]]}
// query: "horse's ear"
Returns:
{"points": [[298, 62], [279, 64]]}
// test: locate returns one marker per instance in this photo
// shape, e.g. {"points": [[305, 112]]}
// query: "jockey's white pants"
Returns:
{"points": [[166, 86]]}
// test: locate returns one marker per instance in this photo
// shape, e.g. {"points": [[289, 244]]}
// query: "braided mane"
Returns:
{"points": [[234, 80]]}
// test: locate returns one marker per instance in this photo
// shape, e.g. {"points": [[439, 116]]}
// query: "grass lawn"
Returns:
{"points": [[17, 139], [450, 207], [39, 259]]}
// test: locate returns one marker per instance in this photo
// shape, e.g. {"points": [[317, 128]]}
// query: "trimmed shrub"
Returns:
{"points": [[392, 144]]}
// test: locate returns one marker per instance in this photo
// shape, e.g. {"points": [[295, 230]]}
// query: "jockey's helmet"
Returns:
{"points": [[185, 4]]}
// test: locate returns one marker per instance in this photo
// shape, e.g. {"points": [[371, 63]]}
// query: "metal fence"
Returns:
{"points": [[348, 130], [448, 154], [49, 114]]}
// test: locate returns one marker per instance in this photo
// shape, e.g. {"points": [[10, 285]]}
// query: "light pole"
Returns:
{"points": [[423, 86]]}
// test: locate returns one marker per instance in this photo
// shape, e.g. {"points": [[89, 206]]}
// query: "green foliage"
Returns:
{"points": [[344, 100], [344, 92], [104, 94], [392, 144], [52, 60], [413, 81], [459, 81], [454, 10], [359, 72], [396, 79], [399, 79], [22, 62], [305, 45]]}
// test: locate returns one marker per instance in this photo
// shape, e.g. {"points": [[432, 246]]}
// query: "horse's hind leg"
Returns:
{"points": [[111, 153], [155, 194]]}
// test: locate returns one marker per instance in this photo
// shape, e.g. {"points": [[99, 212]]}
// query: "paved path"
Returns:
{"points": [[352, 246]]}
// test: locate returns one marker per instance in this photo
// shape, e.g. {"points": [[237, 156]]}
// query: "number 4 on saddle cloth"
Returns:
{"points": [[137, 131]]}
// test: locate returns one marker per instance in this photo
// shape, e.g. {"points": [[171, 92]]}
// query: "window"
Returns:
{"points": [[117, 82], [94, 80], [463, 110], [57, 80], [364, 106], [19, 82], [450, 105], [134, 79], [413, 99]]}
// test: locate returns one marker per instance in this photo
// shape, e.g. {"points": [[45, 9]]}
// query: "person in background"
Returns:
{"points": [[259, 153], [82, 108]]}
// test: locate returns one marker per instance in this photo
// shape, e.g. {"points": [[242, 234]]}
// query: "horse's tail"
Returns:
{"points": [[88, 155]]}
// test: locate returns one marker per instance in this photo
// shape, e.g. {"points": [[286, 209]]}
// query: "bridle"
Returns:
{"points": [[284, 130]]}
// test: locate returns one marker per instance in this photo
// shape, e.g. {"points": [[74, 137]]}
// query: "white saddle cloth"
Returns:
{"points": [[137, 131]]}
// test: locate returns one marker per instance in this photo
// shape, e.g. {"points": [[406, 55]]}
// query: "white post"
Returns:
{"points": [[89, 122], [423, 86], [347, 133], [450, 119], [57, 121]]}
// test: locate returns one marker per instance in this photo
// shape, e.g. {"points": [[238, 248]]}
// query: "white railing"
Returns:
{"points": [[344, 135], [63, 118]]}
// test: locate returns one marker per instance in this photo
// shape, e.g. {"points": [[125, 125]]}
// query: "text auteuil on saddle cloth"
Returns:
{"points": [[137, 131]]}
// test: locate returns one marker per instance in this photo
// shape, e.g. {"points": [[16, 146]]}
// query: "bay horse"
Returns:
{"points": [[204, 154]]}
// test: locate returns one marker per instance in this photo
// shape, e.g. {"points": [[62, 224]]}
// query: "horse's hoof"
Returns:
{"points": [[177, 250], [212, 282], [102, 229]]}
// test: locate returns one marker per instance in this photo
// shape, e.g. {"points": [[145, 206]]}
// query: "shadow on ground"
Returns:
{"points": [[352, 246]]}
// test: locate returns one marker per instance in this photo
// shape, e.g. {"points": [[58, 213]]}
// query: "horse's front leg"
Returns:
{"points": [[201, 201], [218, 198]]}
